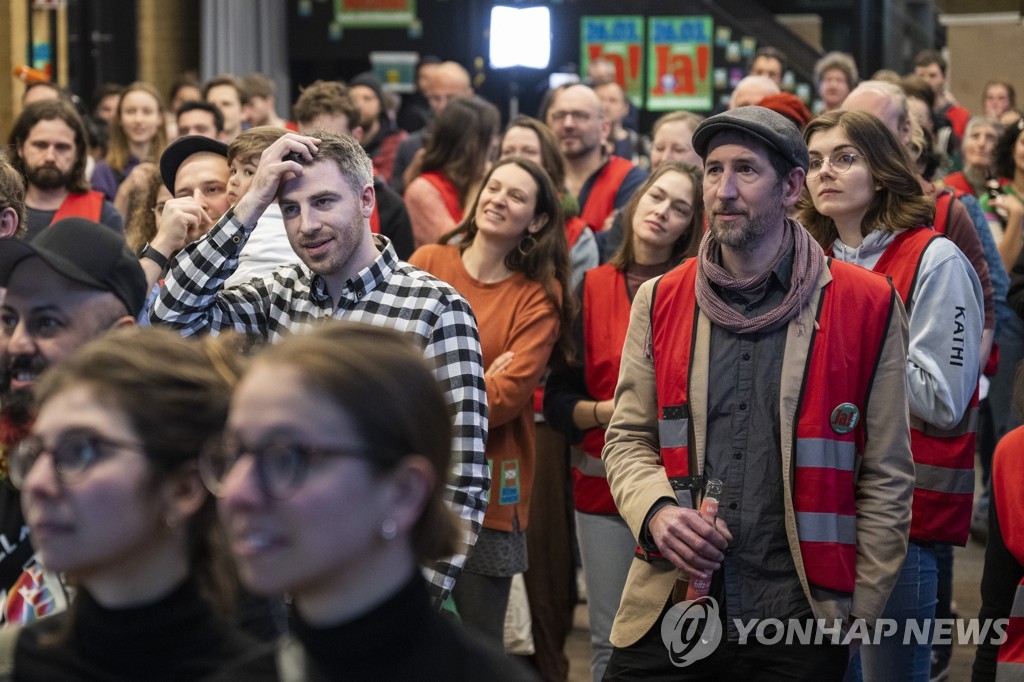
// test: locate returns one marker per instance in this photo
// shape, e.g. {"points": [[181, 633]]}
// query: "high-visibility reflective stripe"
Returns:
{"points": [[820, 527], [968, 424], [825, 454], [674, 433], [1009, 672], [1018, 603], [943, 479], [587, 465]]}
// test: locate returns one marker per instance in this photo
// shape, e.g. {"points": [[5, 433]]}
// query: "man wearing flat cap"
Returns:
{"points": [[767, 366], [75, 280]]}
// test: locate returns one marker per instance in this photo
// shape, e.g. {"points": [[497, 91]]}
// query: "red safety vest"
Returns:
{"points": [[830, 433], [1007, 482], [448, 192], [943, 460], [944, 207], [958, 182], [87, 205], [606, 308], [601, 199]]}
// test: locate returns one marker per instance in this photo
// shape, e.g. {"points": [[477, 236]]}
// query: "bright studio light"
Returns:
{"points": [[520, 37]]}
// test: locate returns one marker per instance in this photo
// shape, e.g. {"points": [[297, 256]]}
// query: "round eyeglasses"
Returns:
{"points": [[281, 464], [73, 454], [839, 161]]}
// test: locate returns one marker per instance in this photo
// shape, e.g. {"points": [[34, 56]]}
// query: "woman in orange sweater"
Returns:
{"points": [[511, 263]]}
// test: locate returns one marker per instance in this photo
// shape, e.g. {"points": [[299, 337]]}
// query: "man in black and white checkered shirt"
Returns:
{"points": [[324, 185]]}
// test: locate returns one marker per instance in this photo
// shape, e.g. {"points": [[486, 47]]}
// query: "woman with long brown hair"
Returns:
{"points": [[137, 134], [509, 260], [455, 158], [331, 482], [864, 205]]}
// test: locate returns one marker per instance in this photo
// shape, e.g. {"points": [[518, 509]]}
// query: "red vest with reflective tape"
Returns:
{"points": [[943, 460], [1007, 483], [606, 308], [448, 192], [601, 199], [843, 354], [87, 205]]}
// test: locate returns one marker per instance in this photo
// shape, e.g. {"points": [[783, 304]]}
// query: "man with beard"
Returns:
{"points": [[765, 365], [324, 186], [50, 147], [602, 184], [381, 137], [68, 285]]}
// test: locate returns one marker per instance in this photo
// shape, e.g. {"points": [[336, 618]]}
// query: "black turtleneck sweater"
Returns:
{"points": [[403, 638], [176, 638]]}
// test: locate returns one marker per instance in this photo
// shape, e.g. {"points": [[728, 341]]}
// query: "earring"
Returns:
{"points": [[388, 529], [170, 521], [526, 245]]}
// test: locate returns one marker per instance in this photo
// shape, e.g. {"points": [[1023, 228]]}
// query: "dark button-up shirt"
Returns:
{"points": [[758, 579]]}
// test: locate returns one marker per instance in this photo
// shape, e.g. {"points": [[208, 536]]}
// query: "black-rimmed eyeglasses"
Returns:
{"points": [[281, 463], [73, 454]]}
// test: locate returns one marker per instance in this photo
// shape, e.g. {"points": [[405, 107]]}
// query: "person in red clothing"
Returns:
{"points": [[1002, 581], [602, 184], [381, 135], [50, 149], [748, 364], [864, 205], [448, 174], [551, 579], [662, 225], [511, 263], [950, 119], [979, 145]]}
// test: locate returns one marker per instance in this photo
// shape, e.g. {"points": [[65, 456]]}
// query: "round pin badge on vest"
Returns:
{"points": [[844, 418]]}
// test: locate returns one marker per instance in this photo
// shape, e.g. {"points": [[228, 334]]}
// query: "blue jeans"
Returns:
{"points": [[913, 598]]}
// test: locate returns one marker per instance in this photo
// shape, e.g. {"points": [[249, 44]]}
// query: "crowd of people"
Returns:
{"points": [[302, 398]]}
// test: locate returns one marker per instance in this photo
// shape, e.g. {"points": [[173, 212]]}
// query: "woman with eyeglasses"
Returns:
{"points": [[111, 493], [330, 477], [864, 205]]}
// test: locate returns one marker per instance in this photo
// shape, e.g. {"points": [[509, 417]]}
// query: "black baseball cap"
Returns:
{"points": [[774, 130], [85, 252], [182, 148]]}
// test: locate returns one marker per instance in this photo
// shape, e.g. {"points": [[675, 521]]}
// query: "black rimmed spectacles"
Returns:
{"points": [[281, 463], [73, 454]]}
